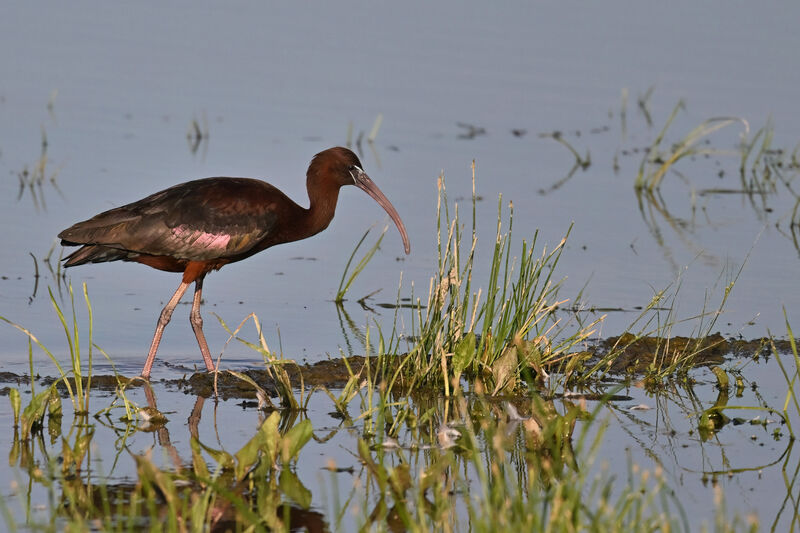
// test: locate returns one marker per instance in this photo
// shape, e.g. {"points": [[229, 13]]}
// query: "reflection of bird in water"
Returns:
{"points": [[203, 225]]}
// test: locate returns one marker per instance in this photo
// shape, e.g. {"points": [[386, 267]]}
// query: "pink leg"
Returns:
{"points": [[197, 324], [163, 320]]}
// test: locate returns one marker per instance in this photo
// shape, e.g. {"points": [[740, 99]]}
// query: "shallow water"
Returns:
{"points": [[275, 85], [751, 458]]}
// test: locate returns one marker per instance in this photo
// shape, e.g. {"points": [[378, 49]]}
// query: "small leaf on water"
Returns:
{"points": [[34, 413], [54, 426], [294, 489], [54, 402], [272, 436], [265, 440], [295, 439], [223, 458]]}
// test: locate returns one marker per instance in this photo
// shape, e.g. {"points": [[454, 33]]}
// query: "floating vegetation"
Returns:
{"points": [[470, 131], [581, 162], [198, 134]]}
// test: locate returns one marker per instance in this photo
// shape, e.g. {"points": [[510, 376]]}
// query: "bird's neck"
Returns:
{"points": [[322, 196]]}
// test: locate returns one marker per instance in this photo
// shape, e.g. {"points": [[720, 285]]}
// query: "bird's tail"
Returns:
{"points": [[95, 253]]}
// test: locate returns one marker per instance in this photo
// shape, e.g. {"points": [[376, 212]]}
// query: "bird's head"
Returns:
{"points": [[343, 166]]}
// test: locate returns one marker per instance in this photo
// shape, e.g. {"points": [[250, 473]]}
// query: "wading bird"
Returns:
{"points": [[203, 225]]}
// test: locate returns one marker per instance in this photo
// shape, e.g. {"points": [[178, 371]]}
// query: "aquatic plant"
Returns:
{"points": [[77, 387], [657, 161], [347, 280], [499, 331]]}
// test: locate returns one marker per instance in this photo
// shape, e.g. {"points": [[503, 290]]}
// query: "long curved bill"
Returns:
{"points": [[363, 182]]}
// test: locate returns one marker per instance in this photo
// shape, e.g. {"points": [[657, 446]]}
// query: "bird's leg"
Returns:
{"points": [[197, 324], [163, 320]]}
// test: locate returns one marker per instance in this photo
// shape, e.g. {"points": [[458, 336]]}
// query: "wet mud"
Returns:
{"points": [[633, 357], [637, 354], [333, 374]]}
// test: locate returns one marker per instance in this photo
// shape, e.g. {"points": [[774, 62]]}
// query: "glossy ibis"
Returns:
{"points": [[203, 225]]}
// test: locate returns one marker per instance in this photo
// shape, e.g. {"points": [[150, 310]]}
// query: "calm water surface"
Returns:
{"points": [[276, 84]]}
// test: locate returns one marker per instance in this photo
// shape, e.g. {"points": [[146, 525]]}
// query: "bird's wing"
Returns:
{"points": [[200, 220]]}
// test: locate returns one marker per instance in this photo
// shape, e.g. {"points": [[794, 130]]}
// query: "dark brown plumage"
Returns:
{"points": [[202, 225]]}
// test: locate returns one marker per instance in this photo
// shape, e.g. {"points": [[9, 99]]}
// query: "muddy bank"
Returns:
{"points": [[330, 373], [632, 356], [637, 354]]}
